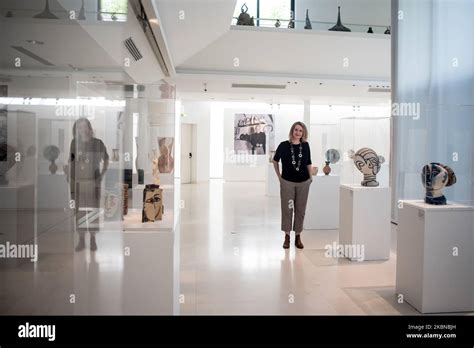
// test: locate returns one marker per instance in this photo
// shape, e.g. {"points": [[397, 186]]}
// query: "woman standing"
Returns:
{"points": [[86, 155], [295, 180]]}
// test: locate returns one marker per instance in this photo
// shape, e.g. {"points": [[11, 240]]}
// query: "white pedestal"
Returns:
{"points": [[17, 213], [150, 285], [365, 220], [322, 210], [53, 191], [429, 276], [272, 185]]}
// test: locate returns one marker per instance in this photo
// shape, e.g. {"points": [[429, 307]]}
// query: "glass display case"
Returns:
{"points": [[365, 132], [324, 137]]}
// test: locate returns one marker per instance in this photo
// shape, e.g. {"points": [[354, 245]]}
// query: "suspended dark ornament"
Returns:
{"points": [[370, 31], [388, 31], [46, 14], [308, 22], [339, 26]]}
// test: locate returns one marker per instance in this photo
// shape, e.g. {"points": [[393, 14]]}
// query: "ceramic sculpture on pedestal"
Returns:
{"points": [[244, 17], [308, 21], [331, 156], [152, 203], [155, 172], [278, 24], [339, 26], [166, 160], [51, 153], [435, 176], [370, 31], [368, 163]]}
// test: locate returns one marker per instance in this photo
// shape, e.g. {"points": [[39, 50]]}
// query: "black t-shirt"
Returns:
{"points": [[289, 171]]}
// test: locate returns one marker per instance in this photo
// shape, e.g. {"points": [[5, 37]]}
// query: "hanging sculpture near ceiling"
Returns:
{"points": [[244, 17], [435, 176], [368, 163], [339, 26]]}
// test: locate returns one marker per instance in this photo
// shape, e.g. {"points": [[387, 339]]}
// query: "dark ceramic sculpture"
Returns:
{"points": [[278, 24], [339, 26], [368, 163], [370, 31], [291, 24], [244, 17], [51, 153], [388, 31], [327, 169], [435, 176], [308, 22]]}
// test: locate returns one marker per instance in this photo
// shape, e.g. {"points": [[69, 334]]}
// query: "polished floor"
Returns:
{"points": [[232, 261], [226, 257]]}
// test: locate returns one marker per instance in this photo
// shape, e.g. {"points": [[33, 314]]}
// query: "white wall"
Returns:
{"points": [[199, 113], [366, 12]]}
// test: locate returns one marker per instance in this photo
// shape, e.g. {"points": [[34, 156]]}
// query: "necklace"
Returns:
{"points": [[296, 165]]}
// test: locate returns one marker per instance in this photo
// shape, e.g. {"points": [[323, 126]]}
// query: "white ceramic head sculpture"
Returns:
{"points": [[435, 177], [368, 163]]}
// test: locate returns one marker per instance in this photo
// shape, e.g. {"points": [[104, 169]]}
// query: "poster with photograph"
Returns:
{"points": [[254, 134]]}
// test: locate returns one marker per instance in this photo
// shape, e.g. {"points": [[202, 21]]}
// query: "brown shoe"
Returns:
{"points": [[298, 242], [286, 244]]}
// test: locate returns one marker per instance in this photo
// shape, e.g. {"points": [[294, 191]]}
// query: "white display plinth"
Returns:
{"points": [[272, 186], [365, 220], [168, 196], [53, 191], [322, 210], [149, 283], [429, 275], [17, 213]]}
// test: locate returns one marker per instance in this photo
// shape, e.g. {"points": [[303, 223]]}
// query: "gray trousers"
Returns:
{"points": [[294, 196]]}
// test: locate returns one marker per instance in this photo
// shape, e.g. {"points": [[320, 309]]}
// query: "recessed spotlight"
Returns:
{"points": [[35, 42]]}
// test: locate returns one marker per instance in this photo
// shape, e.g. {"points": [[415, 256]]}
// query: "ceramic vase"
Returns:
{"points": [[327, 169]]}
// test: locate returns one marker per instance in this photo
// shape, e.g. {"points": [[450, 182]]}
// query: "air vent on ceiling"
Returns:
{"points": [[133, 49], [32, 55], [250, 85], [379, 89]]}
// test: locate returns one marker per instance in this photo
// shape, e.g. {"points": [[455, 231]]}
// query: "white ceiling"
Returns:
{"points": [[191, 25]]}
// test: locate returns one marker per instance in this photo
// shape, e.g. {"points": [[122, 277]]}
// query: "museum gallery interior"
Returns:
{"points": [[156, 155]]}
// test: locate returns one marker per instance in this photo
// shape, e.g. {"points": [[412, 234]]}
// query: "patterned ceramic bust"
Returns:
{"points": [[368, 163], [435, 176]]}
